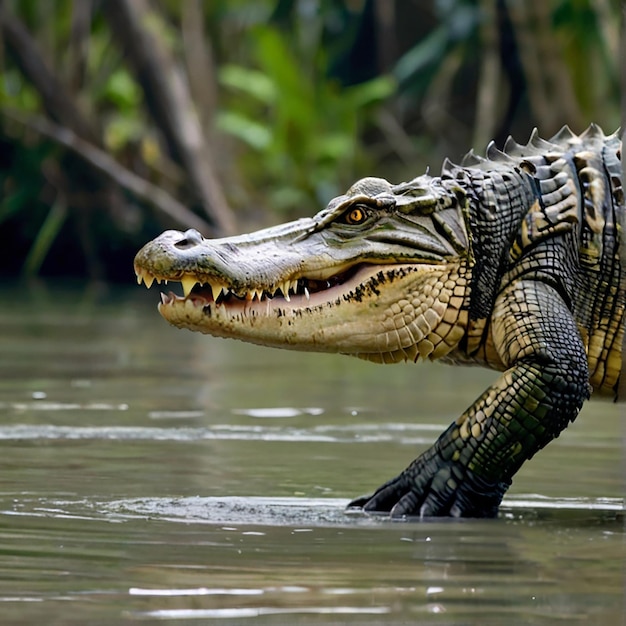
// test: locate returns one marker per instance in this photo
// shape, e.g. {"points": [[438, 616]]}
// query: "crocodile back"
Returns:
{"points": [[571, 235]]}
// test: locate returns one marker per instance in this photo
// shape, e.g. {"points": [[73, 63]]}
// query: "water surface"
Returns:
{"points": [[153, 475]]}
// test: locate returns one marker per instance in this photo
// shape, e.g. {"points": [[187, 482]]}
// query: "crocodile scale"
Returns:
{"points": [[513, 261]]}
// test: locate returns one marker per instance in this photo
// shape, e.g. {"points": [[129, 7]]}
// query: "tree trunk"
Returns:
{"points": [[169, 102]]}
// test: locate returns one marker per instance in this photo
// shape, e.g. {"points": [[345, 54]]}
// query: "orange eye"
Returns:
{"points": [[355, 216]]}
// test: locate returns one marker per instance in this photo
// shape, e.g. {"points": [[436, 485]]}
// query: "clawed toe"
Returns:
{"points": [[359, 503], [383, 500]]}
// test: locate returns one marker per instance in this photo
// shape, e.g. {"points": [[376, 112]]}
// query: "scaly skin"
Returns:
{"points": [[511, 262]]}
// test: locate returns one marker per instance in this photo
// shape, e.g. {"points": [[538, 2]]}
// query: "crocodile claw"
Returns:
{"points": [[434, 487]]}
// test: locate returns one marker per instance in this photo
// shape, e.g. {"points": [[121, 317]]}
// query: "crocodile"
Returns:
{"points": [[509, 260]]}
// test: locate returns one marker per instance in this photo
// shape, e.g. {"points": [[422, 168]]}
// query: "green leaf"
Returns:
{"points": [[45, 238], [249, 131], [428, 51], [334, 146], [251, 82], [372, 91], [122, 90]]}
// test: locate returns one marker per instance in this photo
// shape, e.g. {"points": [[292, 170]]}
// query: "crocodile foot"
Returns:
{"points": [[435, 488]]}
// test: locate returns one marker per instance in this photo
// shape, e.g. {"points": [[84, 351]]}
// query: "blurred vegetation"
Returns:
{"points": [[121, 118]]}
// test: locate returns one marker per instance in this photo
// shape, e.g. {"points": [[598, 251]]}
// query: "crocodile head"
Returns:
{"points": [[381, 273]]}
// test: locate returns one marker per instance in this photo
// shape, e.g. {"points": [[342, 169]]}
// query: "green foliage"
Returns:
{"points": [[303, 104], [48, 232], [17, 93], [590, 49], [458, 20], [302, 126], [121, 91], [21, 203]]}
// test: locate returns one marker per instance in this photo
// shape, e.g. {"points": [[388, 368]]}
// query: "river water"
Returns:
{"points": [[152, 475]]}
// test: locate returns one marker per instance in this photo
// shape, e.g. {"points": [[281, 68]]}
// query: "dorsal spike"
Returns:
{"points": [[593, 131], [448, 168], [495, 154], [471, 159], [565, 135], [453, 171], [537, 142], [616, 135], [512, 148]]}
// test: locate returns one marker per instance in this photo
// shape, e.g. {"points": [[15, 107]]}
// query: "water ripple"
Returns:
{"points": [[237, 513], [361, 433]]}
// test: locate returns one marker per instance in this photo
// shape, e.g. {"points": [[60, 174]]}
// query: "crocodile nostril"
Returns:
{"points": [[189, 239]]}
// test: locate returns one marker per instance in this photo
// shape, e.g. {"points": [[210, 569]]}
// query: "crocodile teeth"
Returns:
{"points": [[307, 295], [218, 289], [251, 295], [148, 279], [285, 289], [188, 282]]}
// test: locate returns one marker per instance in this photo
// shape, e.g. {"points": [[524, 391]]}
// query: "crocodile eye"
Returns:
{"points": [[355, 216]]}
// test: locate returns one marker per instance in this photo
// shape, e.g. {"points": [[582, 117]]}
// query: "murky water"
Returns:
{"points": [[157, 476]]}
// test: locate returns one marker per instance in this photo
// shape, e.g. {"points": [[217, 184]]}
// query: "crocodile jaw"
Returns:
{"points": [[388, 294], [383, 313]]}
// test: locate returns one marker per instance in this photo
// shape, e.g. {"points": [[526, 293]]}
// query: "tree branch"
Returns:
{"points": [[54, 95], [105, 164]]}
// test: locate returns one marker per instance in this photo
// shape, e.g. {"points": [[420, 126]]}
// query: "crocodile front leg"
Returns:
{"points": [[469, 468]]}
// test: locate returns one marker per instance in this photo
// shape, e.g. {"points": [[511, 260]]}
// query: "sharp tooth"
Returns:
{"points": [[217, 289], [285, 289], [307, 294], [167, 298], [148, 279], [188, 283]]}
